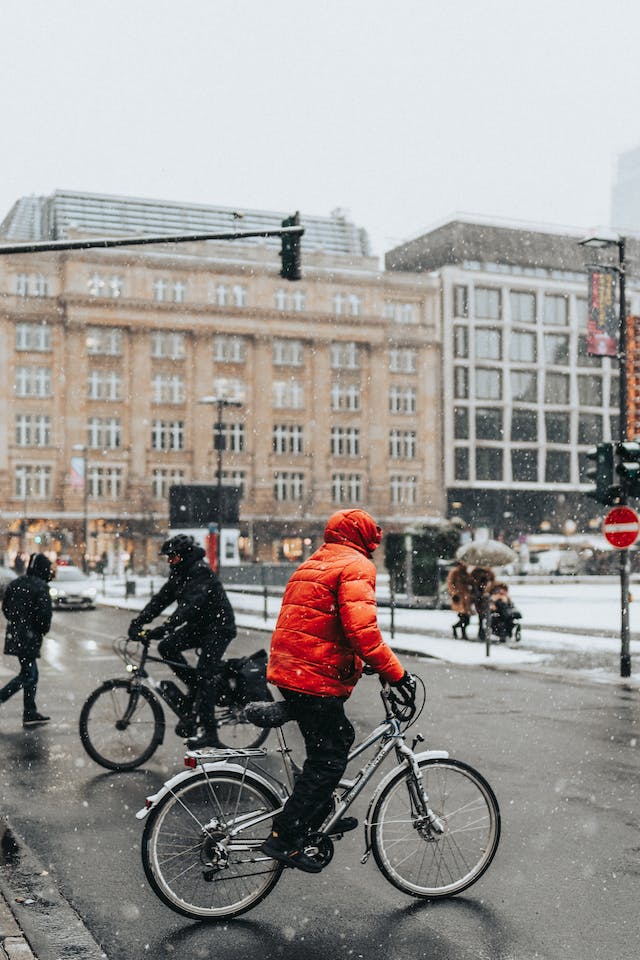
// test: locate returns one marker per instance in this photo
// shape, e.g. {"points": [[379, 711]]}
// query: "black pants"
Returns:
{"points": [[202, 678], [328, 737], [27, 679]]}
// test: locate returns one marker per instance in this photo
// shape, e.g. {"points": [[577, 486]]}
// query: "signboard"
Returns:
{"points": [[196, 505], [77, 473], [633, 377], [602, 322], [621, 527]]}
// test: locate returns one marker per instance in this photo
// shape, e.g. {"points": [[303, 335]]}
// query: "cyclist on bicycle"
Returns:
{"points": [[327, 627], [202, 620]]}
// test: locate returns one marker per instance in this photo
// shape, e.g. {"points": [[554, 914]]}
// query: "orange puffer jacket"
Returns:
{"points": [[328, 625]]}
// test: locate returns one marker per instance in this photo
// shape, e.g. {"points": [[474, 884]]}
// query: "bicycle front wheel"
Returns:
{"points": [[412, 854], [121, 725], [193, 863]]}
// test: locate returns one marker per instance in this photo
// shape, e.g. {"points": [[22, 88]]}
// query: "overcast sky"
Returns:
{"points": [[404, 112]]}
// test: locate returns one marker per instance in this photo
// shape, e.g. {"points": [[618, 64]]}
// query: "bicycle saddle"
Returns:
{"points": [[267, 713]]}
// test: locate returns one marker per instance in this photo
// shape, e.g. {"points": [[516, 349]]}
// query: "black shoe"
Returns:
{"points": [[34, 719], [186, 728], [279, 849], [209, 738], [344, 825]]}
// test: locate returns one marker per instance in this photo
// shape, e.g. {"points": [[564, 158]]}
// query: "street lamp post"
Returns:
{"points": [[602, 239], [219, 446], [80, 448]]}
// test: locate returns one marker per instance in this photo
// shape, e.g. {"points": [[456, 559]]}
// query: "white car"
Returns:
{"points": [[72, 589]]}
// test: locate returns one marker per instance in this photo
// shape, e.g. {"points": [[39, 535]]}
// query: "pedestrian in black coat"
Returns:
{"points": [[27, 606], [203, 620]]}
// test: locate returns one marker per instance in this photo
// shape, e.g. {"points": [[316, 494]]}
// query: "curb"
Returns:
{"points": [[36, 922]]}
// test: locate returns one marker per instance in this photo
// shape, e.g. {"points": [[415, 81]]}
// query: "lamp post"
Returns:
{"points": [[80, 448], [219, 444], [600, 240]]}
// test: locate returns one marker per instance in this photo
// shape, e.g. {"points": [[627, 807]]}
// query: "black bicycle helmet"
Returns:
{"points": [[179, 546]]}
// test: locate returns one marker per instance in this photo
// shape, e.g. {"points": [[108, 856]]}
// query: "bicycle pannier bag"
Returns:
{"points": [[252, 678]]}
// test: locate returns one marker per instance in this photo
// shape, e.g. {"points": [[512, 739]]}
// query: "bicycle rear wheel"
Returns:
{"points": [[192, 863], [412, 855], [121, 725]]}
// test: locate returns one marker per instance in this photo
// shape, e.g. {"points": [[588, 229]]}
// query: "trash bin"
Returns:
{"points": [[130, 588]]}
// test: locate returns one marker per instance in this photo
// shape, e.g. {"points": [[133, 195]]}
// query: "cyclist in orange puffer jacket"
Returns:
{"points": [[327, 629]]}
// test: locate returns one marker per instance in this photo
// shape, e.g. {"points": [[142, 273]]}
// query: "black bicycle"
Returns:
{"points": [[122, 723]]}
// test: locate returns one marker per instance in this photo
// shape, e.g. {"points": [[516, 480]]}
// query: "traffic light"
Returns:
{"points": [[601, 473], [628, 467], [290, 251]]}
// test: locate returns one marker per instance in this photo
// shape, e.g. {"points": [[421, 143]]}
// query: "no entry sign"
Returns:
{"points": [[621, 527]]}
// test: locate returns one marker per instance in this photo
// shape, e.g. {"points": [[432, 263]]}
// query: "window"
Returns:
{"points": [[523, 307], [590, 391], [524, 465], [168, 388], [556, 349], [100, 286], [33, 430], [403, 360], [167, 435], [584, 359], [401, 312], [488, 344], [288, 353], [461, 383], [104, 340], [487, 303], [347, 303], [488, 423], [345, 397], [488, 384], [288, 486], [557, 467], [169, 291], [460, 341], [288, 439], [523, 347], [461, 301], [288, 395], [461, 423], [402, 399], [164, 478], [345, 441], [488, 463], [33, 336], [235, 478], [239, 294], [404, 490], [104, 433], [556, 388], [295, 302], [345, 356], [555, 310], [229, 349], [32, 285], [104, 385], [589, 428], [524, 386], [234, 437], [230, 388], [524, 425], [346, 488], [105, 483], [32, 481], [557, 426], [167, 345], [33, 382], [461, 463], [402, 444]]}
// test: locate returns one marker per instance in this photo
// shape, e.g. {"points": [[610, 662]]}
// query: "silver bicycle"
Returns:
{"points": [[433, 823]]}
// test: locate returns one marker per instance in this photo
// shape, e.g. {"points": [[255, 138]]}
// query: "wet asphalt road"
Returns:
{"points": [[561, 756]]}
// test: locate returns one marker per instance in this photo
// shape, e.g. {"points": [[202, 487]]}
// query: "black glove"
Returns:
{"points": [[406, 687], [134, 629], [157, 633]]}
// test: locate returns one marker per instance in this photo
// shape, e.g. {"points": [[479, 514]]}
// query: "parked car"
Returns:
{"points": [[72, 589], [6, 576]]}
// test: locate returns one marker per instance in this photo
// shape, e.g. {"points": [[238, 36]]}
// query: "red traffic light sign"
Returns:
{"points": [[621, 527]]}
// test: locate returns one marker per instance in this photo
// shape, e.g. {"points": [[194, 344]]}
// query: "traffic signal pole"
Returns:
{"points": [[625, 650]]}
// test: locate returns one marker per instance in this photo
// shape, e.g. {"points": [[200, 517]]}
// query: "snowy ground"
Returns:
{"points": [[566, 626]]}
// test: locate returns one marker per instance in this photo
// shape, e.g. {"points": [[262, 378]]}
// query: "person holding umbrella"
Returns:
{"points": [[459, 587]]}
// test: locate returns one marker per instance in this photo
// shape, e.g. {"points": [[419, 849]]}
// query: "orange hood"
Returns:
{"points": [[356, 528]]}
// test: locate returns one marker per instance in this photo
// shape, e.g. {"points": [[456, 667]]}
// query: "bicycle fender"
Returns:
{"points": [[425, 755], [167, 787]]}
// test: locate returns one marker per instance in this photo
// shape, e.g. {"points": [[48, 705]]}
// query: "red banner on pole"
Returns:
{"points": [[602, 322], [633, 378]]}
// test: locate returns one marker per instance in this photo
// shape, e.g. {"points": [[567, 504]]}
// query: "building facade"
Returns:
{"points": [[105, 355], [522, 401]]}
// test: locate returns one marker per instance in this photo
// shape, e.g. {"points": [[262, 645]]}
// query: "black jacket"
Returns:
{"points": [[27, 606], [203, 609]]}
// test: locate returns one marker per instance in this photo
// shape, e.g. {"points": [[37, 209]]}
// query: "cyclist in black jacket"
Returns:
{"points": [[202, 620]]}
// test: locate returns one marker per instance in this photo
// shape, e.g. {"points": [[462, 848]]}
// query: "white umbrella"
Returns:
{"points": [[486, 553]]}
